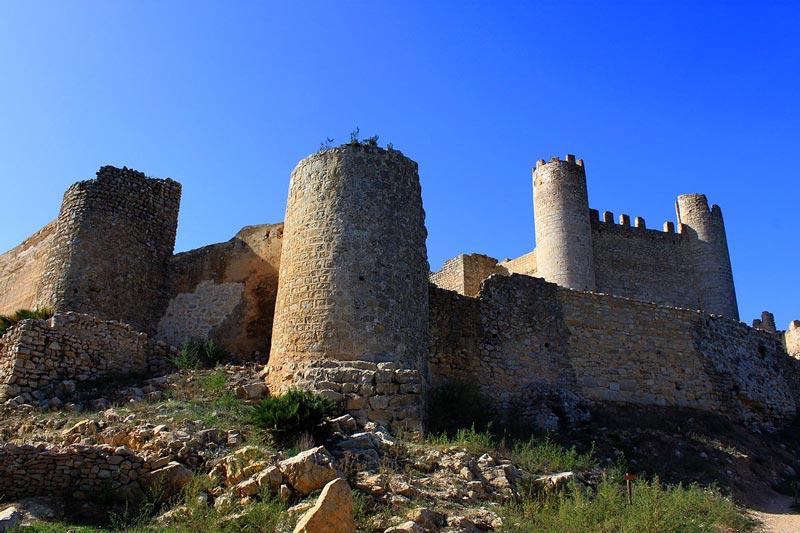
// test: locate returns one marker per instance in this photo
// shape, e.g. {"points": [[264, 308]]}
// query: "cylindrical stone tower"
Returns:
{"points": [[353, 283], [563, 228], [113, 239], [708, 247]]}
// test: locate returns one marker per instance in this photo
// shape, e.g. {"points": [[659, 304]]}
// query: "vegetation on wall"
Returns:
{"points": [[8, 321]]}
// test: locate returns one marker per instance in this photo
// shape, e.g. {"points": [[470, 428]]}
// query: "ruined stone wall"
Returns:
{"points": [[21, 268], [37, 354], [113, 239], [70, 471], [791, 339], [525, 264], [535, 339], [464, 274], [451, 275], [646, 264], [226, 292]]}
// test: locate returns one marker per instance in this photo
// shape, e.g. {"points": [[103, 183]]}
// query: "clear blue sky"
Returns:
{"points": [[226, 97]]}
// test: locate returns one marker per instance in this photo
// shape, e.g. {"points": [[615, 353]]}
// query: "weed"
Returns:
{"points": [[371, 141], [548, 456], [193, 354], [8, 321], [354, 137], [474, 441], [326, 144]]}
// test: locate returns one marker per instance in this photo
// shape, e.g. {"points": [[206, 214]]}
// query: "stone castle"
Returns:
{"points": [[339, 299]]}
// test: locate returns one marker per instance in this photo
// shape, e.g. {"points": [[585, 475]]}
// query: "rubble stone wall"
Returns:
{"points": [[464, 274], [21, 268], [113, 239], [226, 292], [71, 471], [385, 393], [36, 354], [530, 335]]}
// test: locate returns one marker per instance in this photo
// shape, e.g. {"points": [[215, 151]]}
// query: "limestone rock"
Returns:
{"points": [[554, 482], [9, 518], [172, 477], [333, 512], [427, 518], [309, 470], [406, 527]]}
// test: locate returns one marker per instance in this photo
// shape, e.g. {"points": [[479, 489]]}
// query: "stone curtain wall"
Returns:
{"points": [[634, 352], [72, 471], [226, 292], [645, 264], [21, 268], [531, 336], [36, 354], [113, 239]]}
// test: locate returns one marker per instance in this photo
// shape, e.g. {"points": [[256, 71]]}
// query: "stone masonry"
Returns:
{"points": [[113, 238], [577, 248], [35, 355], [353, 277]]}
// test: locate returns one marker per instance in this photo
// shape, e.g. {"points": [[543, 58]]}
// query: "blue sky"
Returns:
{"points": [[658, 98]]}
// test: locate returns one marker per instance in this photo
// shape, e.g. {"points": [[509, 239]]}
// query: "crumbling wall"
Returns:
{"points": [[36, 354], [226, 292], [464, 274], [791, 339], [113, 239], [455, 337], [525, 264], [21, 268], [70, 471]]}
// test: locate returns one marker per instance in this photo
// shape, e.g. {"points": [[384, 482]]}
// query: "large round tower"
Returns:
{"points": [[708, 248], [563, 228], [353, 283]]}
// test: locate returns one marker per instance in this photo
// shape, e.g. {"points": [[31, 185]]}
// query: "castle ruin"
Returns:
{"points": [[339, 299]]}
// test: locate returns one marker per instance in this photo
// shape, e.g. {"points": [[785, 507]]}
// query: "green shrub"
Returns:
{"points": [[456, 405], [545, 455], [7, 321], [188, 356], [286, 417], [193, 354]]}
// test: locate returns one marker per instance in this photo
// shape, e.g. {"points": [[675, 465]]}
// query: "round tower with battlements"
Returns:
{"points": [[563, 228], [352, 300], [708, 248]]}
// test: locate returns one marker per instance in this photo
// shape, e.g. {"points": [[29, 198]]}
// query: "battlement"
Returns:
{"points": [[569, 158], [607, 220]]}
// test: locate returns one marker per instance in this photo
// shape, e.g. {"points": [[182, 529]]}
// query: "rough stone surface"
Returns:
{"points": [[21, 268], [226, 292], [113, 239], [36, 354], [309, 470], [353, 278], [333, 512], [9, 518]]}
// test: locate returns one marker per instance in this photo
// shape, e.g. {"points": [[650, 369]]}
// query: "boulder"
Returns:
{"points": [[169, 479], [309, 470], [333, 512], [10, 518], [406, 527]]}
